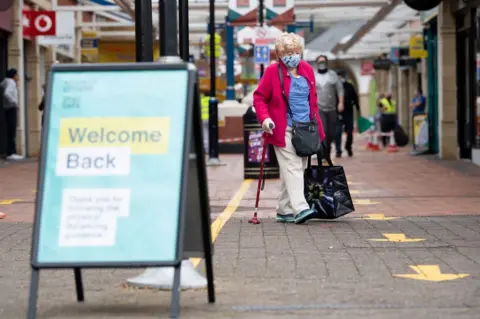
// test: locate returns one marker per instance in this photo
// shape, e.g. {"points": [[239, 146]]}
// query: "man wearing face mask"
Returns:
{"points": [[330, 99], [345, 121]]}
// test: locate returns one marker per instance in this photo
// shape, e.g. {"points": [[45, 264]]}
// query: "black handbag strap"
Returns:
{"points": [[320, 157], [282, 87]]}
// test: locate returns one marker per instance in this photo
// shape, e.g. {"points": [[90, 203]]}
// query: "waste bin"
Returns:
{"points": [[253, 149]]}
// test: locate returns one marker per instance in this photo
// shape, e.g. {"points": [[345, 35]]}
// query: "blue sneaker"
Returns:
{"points": [[287, 218], [304, 215]]}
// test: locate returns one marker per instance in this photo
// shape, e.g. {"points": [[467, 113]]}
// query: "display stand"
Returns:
{"points": [[122, 180]]}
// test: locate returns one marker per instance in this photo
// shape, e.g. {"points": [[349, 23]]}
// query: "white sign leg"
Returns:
{"points": [[162, 278]]}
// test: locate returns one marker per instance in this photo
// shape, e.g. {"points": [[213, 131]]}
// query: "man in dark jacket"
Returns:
{"points": [[345, 118]]}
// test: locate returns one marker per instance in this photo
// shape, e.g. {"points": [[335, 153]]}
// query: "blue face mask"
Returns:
{"points": [[291, 61]]}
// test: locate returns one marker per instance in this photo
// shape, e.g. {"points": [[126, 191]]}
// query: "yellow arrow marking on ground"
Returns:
{"points": [[430, 273], [378, 217], [355, 192], [364, 202], [9, 201], [399, 238]]}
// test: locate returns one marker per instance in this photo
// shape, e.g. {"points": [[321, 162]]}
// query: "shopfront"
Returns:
{"points": [[468, 80]]}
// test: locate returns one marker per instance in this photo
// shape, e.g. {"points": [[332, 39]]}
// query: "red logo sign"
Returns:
{"points": [[38, 23]]}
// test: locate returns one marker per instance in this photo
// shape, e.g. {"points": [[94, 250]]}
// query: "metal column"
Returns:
{"points": [[229, 30], [169, 22], [213, 102], [261, 21], [183, 30], [143, 31]]}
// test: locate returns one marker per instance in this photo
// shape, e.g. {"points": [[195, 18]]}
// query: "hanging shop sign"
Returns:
{"points": [[280, 12], [89, 43], [400, 56], [382, 64], [417, 48], [39, 23], [242, 12]]}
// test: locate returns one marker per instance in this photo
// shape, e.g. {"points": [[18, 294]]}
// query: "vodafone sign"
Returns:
{"points": [[39, 23]]}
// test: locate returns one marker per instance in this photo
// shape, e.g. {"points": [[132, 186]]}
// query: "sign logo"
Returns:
{"points": [[43, 23], [39, 23]]}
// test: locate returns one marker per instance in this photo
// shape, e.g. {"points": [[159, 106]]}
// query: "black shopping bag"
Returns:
{"points": [[401, 138], [326, 190]]}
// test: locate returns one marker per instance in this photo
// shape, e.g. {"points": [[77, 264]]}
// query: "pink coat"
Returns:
{"points": [[269, 102]]}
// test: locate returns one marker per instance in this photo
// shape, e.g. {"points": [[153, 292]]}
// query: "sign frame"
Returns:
{"points": [[45, 145], [192, 151]]}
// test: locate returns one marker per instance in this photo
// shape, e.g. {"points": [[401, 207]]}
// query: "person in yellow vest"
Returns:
{"points": [[388, 119], [204, 101]]}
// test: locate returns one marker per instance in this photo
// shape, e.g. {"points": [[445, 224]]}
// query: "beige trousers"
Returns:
{"points": [[291, 199]]}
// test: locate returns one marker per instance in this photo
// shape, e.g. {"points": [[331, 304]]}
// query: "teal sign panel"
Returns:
{"points": [[111, 174]]}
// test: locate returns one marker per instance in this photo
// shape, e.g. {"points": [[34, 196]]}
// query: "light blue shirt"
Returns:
{"points": [[299, 100]]}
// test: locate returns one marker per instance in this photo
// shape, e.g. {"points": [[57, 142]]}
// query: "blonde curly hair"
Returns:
{"points": [[288, 42]]}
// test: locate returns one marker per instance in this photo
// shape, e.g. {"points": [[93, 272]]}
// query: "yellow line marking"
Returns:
{"points": [[398, 238], [222, 219], [365, 202], [9, 201], [430, 273], [355, 192], [378, 217]]}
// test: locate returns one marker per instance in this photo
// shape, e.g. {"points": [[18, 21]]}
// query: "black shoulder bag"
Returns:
{"points": [[305, 137]]}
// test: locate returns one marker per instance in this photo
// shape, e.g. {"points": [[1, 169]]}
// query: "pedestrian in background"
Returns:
{"points": [[41, 106], [10, 105], [388, 119], [418, 102], [346, 118], [330, 99], [271, 110]]}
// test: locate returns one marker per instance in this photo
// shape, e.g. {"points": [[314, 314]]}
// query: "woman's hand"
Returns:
{"points": [[268, 126]]}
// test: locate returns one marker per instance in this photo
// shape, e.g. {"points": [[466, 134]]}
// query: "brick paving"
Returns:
{"points": [[321, 269]]}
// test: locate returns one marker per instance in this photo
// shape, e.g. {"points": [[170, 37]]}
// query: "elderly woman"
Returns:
{"points": [[272, 113]]}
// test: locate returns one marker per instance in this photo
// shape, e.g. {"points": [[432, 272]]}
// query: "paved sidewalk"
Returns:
{"points": [[417, 217]]}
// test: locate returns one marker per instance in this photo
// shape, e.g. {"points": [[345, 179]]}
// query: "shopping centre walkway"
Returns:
{"points": [[411, 250]]}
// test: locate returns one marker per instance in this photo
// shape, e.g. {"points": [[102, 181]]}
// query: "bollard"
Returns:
{"points": [[392, 147], [162, 278], [253, 147], [375, 147], [369, 146]]}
